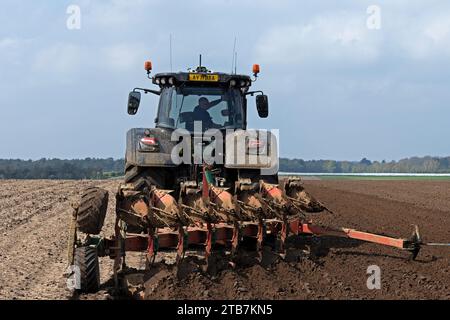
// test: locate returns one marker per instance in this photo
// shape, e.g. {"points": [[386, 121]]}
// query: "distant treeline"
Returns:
{"points": [[88, 168], [91, 168], [409, 165]]}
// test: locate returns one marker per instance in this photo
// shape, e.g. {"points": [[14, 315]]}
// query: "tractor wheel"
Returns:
{"points": [[92, 210], [136, 176], [142, 177], [86, 259]]}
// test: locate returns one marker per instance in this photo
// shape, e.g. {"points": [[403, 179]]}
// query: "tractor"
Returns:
{"points": [[199, 178]]}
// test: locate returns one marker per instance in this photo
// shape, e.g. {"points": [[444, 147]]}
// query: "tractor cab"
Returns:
{"points": [[200, 99]]}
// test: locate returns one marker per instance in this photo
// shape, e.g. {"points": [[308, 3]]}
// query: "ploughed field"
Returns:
{"points": [[34, 217]]}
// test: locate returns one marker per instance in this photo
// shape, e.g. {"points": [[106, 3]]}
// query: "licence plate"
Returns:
{"points": [[203, 77]]}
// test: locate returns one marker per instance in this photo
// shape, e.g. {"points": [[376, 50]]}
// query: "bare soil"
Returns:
{"points": [[34, 218]]}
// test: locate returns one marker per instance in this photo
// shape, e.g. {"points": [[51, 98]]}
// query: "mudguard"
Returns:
{"points": [[137, 157], [239, 156]]}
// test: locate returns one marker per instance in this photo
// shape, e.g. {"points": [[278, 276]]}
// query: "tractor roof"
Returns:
{"points": [[201, 76]]}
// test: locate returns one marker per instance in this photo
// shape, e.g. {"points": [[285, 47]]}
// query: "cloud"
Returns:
{"points": [[8, 43], [429, 38], [60, 58], [116, 13], [342, 37], [10, 47], [439, 30], [70, 58], [332, 38], [15, 54], [122, 57]]}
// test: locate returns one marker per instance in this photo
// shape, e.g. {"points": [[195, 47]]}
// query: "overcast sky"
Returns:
{"points": [[337, 89]]}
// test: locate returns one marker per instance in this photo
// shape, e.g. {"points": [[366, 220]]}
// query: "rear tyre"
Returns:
{"points": [[92, 210], [86, 259], [142, 177], [136, 176]]}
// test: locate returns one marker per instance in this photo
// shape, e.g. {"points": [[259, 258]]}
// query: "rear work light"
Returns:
{"points": [[256, 146], [148, 144], [255, 143], [150, 141]]}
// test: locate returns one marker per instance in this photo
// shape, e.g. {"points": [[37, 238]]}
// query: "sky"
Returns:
{"points": [[345, 79]]}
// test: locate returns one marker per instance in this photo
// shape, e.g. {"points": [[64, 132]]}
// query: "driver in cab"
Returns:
{"points": [[201, 112]]}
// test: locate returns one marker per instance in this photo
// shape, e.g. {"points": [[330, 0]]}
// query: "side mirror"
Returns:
{"points": [[134, 99], [262, 105]]}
